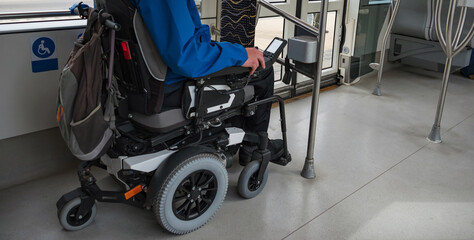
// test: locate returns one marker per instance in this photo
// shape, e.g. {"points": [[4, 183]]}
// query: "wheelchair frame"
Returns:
{"points": [[140, 191]]}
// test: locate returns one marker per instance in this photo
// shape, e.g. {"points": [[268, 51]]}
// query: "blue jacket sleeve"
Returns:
{"points": [[183, 42]]}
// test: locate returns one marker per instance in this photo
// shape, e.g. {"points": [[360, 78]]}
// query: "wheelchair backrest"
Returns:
{"points": [[139, 69]]}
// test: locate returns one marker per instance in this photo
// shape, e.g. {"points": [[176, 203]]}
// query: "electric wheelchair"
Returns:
{"points": [[171, 161]]}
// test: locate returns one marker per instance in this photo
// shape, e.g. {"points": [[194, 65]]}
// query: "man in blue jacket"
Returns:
{"points": [[186, 47]]}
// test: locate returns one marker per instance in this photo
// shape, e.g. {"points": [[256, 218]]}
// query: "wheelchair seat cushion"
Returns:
{"points": [[161, 122]]}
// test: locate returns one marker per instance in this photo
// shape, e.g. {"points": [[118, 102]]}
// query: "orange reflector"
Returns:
{"points": [[60, 113], [134, 191]]}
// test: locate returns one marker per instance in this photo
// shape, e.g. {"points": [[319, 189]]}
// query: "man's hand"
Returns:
{"points": [[254, 60]]}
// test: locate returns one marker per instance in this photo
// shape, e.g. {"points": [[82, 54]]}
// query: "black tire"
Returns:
{"points": [[247, 185], [67, 215], [229, 160], [191, 194]]}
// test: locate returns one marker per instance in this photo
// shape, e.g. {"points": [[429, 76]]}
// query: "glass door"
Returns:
{"points": [[371, 20], [310, 11], [270, 25]]}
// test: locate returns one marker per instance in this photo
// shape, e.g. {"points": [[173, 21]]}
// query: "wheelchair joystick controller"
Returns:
{"points": [[262, 154]]}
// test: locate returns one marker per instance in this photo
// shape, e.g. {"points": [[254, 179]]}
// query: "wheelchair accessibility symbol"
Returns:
{"points": [[43, 47], [43, 54]]}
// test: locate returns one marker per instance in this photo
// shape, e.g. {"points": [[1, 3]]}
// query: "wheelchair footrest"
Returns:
{"points": [[283, 161]]}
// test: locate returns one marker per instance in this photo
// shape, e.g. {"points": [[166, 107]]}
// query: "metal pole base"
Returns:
{"points": [[377, 91], [435, 134], [308, 169], [375, 66]]}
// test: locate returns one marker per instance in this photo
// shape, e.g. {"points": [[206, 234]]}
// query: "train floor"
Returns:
{"points": [[377, 177]]}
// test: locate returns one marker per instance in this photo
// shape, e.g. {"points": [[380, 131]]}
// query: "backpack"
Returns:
{"points": [[87, 124]]}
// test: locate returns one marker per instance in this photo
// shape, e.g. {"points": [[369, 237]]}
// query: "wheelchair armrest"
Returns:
{"points": [[236, 70], [234, 77]]}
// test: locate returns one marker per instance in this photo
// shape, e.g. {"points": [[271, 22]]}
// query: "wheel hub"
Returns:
{"points": [[75, 220], [194, 195], [253, 183]]}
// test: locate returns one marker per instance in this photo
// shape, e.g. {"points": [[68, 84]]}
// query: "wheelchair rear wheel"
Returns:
{"points": [[191, 194]]}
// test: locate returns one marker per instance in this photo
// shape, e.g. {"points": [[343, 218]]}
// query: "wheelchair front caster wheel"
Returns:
{"points": [[68, 215], [248, 185]]}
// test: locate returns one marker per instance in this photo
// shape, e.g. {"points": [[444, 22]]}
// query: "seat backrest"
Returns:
{"points": [[468, 22], [417, 19], [139, 69], [414, 19]]}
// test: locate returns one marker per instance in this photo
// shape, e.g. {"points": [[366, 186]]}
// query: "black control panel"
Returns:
{"points": [[273, 50]]}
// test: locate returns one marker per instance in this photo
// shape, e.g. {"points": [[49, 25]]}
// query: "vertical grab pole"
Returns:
{"points": [[308, 168], [451, 48], [379, 67], [259, 8], [446, 43], [435, 134]]}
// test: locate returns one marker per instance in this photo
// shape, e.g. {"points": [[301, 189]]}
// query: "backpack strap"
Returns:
{"points": [[113, 95], [92, 22], [112, 102]]}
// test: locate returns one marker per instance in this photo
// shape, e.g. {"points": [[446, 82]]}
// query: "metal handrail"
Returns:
{"points": [[33, 14], [308, 168]]}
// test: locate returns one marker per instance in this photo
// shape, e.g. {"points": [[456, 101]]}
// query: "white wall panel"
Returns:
{"points": [[27, 99]]}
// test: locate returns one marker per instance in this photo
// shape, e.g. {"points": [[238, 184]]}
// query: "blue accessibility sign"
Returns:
{"points": [[43, 57]]}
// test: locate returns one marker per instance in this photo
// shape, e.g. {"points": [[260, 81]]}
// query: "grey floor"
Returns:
{"points": [[377, 176]]}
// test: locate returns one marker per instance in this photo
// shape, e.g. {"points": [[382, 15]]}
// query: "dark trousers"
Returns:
{"points": [[263, 87]]}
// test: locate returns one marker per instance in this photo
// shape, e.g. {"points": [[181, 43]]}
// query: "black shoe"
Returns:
{"points": [[275, 146]]}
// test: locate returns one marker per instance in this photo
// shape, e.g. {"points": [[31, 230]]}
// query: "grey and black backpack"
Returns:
{"points": [[87, 97]]}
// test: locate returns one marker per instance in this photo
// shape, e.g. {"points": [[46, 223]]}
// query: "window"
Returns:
{"points": [[313, 19], [267, 29], [29, 6], [25, 11]]}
